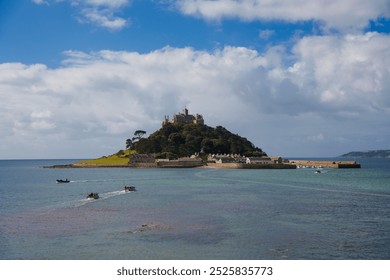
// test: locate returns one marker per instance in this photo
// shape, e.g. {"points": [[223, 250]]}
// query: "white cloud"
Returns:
{"points": [[42, 125], [104, 18], [348, 71], [103, 13], [96, 100], [107, 3], [38, 2], [342, 15], [266, 34], [41, 114], [346, 16], [317, 137]]}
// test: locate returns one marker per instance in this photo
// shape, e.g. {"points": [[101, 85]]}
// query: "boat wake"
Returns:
{"points": [[94, 181], [111, 194], [85, 200]]}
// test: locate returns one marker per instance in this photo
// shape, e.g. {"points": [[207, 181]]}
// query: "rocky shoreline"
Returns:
{"points": [[208, 165], [89, 166], [291, 165]]}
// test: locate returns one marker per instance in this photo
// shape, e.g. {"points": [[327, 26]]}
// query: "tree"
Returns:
{"points": [[207, 146], [138, 134], [129, 144]]}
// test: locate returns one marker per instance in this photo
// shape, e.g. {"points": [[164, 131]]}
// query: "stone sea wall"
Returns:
{"points": [[250, 166], [327, 164]]}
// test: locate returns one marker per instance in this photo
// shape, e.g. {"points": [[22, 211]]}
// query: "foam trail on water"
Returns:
{"points": [[84, 201], [101, 180], [111, 194]]}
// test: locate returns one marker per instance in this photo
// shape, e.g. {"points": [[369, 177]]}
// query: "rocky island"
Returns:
{"points": [[185, 141]]}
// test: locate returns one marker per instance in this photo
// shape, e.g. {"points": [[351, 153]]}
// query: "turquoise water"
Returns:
{"points": [[194, 213]]}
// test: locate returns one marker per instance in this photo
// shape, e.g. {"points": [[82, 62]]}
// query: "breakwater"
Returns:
{"points": [[325, 163], [250, 166]]}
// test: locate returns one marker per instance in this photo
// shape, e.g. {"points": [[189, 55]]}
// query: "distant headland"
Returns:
{"points": [[185, 141], [368, 154]]}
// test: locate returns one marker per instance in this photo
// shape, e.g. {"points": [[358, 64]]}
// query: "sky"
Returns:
{"points": [[297, 78]]}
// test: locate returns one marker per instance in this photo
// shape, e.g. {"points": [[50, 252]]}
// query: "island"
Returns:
{"points": [[185, 141]]}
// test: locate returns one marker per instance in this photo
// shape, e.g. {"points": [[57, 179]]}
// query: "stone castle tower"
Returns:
{"points": [[183, 118]]}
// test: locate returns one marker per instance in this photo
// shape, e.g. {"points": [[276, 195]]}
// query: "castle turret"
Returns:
{"points": [[198, 119], [166, 120]]}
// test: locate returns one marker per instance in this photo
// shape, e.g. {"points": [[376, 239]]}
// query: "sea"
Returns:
{"points": [[194, 214]]}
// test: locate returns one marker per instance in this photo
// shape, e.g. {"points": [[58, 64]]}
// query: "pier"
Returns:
{"points": [[325, 163]]}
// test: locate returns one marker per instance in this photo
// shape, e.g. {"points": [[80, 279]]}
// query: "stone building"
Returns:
{"points": [[225, 158], [183, 118], [259, 160]]}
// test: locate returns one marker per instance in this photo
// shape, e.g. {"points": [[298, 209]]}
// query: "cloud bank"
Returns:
{"points": [[334, 91], [346, 15]]}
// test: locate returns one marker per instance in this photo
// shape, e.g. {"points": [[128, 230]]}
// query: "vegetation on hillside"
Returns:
{"points": [[119, 158], [180, 140], [138, 134]]}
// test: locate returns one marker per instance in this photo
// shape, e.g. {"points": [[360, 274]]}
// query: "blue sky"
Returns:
{"points": [[52, 27], [297, 78]]}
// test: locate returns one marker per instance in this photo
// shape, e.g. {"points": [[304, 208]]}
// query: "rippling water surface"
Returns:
{"points": [[194, 213]]}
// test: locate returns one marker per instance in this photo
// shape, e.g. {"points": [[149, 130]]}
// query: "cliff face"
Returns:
{"points": [[180, 140]]}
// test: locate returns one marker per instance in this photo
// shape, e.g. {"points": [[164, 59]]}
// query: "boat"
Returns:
{"points": [[93, 196], [62, 181], [130, 189], [317, 171]]}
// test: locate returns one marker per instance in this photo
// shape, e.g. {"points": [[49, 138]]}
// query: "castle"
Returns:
{"points": [[184, 118]]}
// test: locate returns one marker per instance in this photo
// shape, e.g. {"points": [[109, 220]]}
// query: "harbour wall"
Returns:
{"points": [[327, 164], [232, 165]]}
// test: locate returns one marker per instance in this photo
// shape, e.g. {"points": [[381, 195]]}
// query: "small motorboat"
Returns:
{"points": [[93, 196], [62, 181], [130, 189], [318, 171]]}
